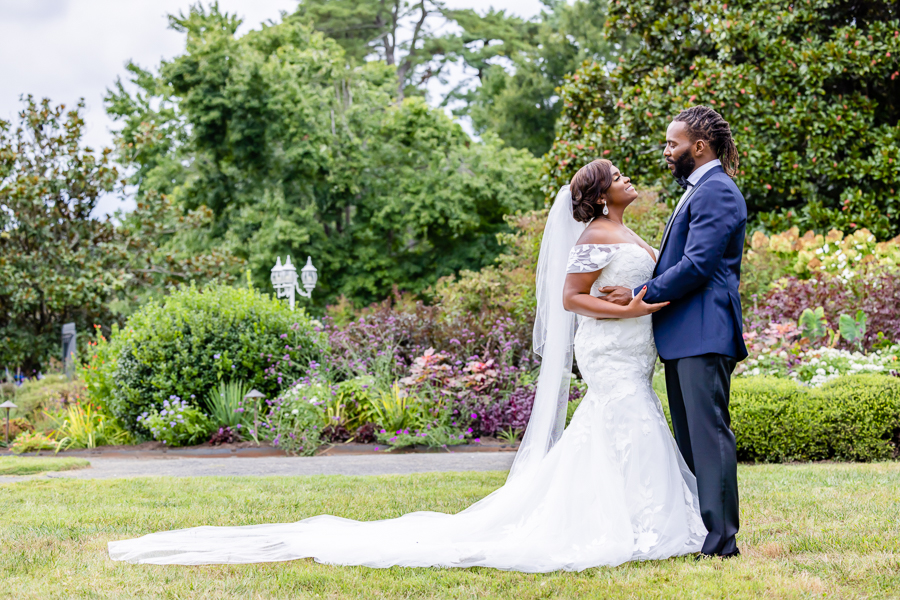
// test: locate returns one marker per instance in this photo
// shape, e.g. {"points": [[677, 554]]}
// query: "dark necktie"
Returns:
{"points": [[683, 182]]}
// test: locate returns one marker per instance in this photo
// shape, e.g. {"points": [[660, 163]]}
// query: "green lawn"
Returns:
{"points": [[25, 465], [808, 531]]}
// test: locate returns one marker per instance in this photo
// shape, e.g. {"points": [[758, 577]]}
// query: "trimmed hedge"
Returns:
{"points": [[851, 418], [856, 417]]}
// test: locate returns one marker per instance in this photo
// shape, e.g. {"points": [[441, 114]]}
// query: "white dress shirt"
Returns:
{"points": [[694, 178]]}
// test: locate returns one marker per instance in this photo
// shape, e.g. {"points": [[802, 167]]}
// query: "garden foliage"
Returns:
{"points": [[86, 427], [194, 339], [876, 294], [837, 257], [810, 90], [294, 421]]}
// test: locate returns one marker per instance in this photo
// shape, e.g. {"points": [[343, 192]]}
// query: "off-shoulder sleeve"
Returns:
{"points": [[587, 258]]}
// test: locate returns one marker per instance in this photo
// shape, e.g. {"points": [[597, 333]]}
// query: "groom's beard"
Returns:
{"points": [[684, 165]]}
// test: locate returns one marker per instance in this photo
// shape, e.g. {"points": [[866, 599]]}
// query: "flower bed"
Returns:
{"points": [[818, 366]]}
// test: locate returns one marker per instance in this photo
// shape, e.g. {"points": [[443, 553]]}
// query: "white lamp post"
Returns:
{"points": [[284, 279]]}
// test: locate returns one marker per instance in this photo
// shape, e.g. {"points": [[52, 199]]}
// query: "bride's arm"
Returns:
{"points": [[577, 298]]}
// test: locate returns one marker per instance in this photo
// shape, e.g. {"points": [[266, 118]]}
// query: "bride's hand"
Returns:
{"points": [[638, 308]]}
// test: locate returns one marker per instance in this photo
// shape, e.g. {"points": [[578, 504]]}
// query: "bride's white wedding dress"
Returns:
{"points": [[613, 488]]}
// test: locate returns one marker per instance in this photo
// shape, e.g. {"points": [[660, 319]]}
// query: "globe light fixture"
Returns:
{"points": [[284, 279]]}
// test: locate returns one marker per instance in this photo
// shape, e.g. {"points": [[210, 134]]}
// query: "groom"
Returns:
{"points": [[699, 335]]}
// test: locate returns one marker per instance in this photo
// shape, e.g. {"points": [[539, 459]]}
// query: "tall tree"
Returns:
{"points": [[810, 90], [403, 34], [518, 98], [510, 67], [57, 262]]}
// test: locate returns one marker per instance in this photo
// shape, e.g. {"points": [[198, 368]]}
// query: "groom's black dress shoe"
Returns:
{"points": [[701, 557]]}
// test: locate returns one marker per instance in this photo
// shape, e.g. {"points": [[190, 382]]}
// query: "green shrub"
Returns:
{"points": [[191, 341], [856, 417], [851, 418]]}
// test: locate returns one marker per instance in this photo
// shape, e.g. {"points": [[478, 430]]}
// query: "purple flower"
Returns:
{"points": [[216, 356]]}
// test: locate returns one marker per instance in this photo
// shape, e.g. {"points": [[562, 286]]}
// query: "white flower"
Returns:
{"points": [[820, 371], [295, 412]]}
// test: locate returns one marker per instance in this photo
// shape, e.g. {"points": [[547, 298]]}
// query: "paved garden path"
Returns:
{"points": [[384, 464]]}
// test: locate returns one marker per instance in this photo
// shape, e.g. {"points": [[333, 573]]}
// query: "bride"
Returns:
{"points": [[609, 489]]}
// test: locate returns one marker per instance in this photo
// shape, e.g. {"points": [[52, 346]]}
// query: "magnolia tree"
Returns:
{"points": [[59, 262], [810, 89]]}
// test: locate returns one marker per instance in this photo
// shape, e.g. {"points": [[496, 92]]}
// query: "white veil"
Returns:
{"points": [[554, 333]]}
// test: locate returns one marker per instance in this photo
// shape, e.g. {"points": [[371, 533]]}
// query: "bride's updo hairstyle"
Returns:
{"points": [[586, 186]]}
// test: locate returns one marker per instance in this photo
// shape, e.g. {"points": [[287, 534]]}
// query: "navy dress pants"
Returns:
{"points": [[699, 388]]}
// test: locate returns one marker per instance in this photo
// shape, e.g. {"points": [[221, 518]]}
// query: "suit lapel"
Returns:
{"points": [[684, 204]]}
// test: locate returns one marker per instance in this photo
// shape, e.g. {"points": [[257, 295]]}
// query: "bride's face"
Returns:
{"points": [[620, 191]]}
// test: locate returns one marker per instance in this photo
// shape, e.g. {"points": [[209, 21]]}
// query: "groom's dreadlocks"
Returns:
{"points": [[706, 124]]}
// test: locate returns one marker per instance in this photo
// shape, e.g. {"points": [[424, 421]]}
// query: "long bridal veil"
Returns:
{"points": [[554, 332], [544, 518]]}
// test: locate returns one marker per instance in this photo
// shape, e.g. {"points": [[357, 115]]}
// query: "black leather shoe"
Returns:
{"points": [[701, 557]]}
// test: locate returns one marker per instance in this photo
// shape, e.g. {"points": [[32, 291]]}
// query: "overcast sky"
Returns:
{"points": [[71, 49]]}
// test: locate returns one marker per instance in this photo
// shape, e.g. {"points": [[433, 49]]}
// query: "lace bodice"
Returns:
{"points": [[625, 264]]}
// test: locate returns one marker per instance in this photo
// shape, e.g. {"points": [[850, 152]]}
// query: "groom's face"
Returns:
{"points": [[678, 153]]}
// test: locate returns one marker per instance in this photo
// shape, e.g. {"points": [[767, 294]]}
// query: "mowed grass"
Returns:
{"points": [[26, 465], [809, 531]]}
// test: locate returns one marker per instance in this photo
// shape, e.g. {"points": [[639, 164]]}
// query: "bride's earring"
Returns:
{"points": [[605, 210]]}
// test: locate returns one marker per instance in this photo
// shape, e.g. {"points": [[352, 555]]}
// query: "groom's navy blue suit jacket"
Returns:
{"points": [[698, 271]]}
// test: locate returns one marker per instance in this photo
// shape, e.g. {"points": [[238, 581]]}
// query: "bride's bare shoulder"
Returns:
{"points": [[601, 231]]}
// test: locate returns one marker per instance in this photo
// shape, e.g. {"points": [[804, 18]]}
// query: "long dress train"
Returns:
{"points": [[614, 488]]}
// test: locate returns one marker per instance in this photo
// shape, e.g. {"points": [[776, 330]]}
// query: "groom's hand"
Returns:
{"points": [[617, 295]]}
